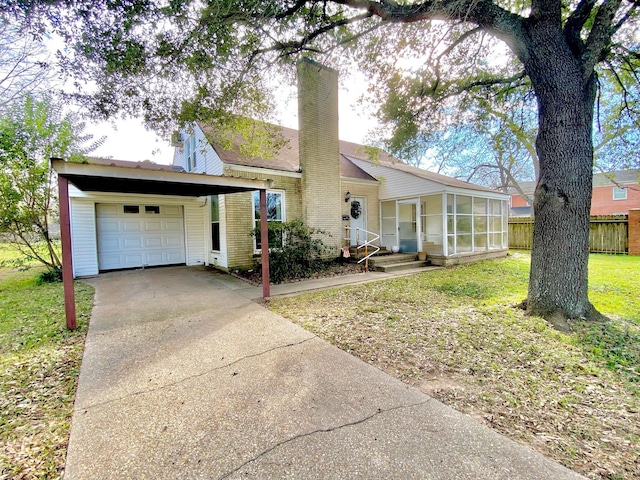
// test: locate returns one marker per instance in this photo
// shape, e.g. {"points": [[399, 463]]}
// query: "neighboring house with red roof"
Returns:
{"points": [[614, 193], [202, 209]]}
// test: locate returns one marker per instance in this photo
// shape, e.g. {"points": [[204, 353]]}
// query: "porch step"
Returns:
{"points": [[357, 255], [395, 267], [393, 258], [397, 262]]}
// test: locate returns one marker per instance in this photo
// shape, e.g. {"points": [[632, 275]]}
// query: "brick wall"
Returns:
{"points": [[634, 231], [239, 215], [319, 149], [602, 202]]}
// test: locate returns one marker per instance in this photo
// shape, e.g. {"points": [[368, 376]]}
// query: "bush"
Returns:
{"points": [[301, 254], [51, 275]]}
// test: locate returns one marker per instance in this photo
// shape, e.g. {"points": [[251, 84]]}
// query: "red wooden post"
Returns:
{"points": [[67, 262], [264, 240]]}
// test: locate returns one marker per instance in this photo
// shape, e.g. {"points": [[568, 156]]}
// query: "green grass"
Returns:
{"points": [[614, 285], [39, 365], [455, 334]]}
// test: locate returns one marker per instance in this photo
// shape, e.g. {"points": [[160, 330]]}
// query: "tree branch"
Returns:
{"points": [[600, 36], [503, 24], [575, 23], [293, 46]]}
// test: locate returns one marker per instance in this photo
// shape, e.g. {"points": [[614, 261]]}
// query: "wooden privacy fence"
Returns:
{"points": [[609, 233]]}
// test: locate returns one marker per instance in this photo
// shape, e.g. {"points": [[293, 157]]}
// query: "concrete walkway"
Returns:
{"points": [[185, 377]]}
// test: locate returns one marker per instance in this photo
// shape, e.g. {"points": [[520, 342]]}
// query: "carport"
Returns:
{"points": [[149, 179]]}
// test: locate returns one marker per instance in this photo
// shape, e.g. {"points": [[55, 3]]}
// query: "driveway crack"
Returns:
{"points": [[198, 375], [379, 411]]}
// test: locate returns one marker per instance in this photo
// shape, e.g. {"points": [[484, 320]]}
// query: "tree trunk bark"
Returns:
{"points": [[558, 277]]}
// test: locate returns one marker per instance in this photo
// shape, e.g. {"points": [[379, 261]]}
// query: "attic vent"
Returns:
{"points": [[176, 139]]}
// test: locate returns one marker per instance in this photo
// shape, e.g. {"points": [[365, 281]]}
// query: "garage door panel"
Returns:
{"points": [[110, 226], [132, 258], [172, 210], [132, 226], [147, 238], [175, 256], [110, 244], [155, 258], [173, 242], [132, 242], [173, 225], [103, 209], [153, 226], [153, 242]]}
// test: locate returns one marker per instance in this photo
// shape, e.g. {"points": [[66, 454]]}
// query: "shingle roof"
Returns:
{"points": [[390, 162], [619, 176], [288, 160], [622, 177]]}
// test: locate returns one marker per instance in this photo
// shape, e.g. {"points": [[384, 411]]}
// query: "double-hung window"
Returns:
{"points": [[275, 214], [190, 152], [215, 223], [619, 193]]}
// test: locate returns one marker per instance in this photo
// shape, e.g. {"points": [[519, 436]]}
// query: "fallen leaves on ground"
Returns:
{"points": [[482, 357]]}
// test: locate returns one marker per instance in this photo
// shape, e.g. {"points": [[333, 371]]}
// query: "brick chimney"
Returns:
{"points": [[319, 149]]}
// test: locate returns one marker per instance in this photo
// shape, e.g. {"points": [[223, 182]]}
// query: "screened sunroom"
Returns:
{"points": [[447, 226]]}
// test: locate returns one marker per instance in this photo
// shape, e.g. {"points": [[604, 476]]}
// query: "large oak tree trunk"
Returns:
{"points": [[566, 96]]}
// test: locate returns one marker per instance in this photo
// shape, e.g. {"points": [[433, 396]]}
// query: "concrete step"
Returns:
{"points": [[396, 267], [393, 258], [357, 255]]}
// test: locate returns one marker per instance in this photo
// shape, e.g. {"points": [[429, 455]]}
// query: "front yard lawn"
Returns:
{"points": [[39, 365], [454, 334]]}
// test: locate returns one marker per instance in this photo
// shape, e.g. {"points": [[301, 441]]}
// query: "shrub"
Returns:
{"points": [[51, 275], [302, 252]]}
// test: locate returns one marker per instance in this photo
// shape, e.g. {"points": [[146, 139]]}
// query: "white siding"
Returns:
{"points": [[207, 160], [83, 238], [195, 228], [397, 184]]}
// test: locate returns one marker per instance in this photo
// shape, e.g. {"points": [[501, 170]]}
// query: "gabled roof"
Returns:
{"points": [[621, 177], [390, 162], [288, 160], [285, 160]]}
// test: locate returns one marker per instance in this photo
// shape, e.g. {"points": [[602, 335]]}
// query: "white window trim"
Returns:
{"points": [[253, 213], [619, 189], [211, 249], [190, 147]]}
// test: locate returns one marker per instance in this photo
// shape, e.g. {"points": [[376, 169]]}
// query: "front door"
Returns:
{"points": [[408, 227], [357, 220]]}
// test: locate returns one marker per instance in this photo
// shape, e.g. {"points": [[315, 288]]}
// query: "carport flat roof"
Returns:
{"points": [[91, 177]]}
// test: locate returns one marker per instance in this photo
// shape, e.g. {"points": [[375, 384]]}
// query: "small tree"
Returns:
{"points": [[31, 132]]}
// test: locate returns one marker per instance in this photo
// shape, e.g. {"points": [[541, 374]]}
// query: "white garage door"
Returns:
{"points": [[142, 235]]}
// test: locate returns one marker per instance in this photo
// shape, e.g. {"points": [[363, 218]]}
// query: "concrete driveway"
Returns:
{"points": [[184, 377]]}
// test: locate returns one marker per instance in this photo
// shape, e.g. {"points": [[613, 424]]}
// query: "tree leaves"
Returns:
{"points": [[31, 133]]}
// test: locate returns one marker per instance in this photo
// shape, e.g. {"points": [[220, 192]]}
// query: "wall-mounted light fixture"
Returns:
{"points": [[347, 197]]}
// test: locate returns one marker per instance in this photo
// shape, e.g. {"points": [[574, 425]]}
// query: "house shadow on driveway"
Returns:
{"points": [[185, 377]]}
